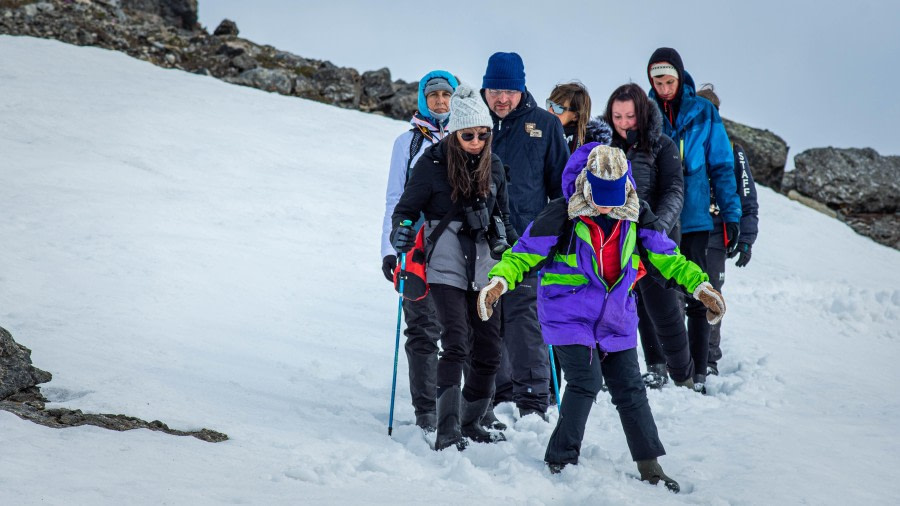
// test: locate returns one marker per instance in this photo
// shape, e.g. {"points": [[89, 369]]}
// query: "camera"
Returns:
{"points": [[481, 224], [497, 238]]}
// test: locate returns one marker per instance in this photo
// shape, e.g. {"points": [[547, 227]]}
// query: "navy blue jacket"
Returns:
{"points": [[746, 190], [531, 142]]}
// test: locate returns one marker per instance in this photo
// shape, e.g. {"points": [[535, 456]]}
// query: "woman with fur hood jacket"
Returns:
{"points": [[656, 164]]}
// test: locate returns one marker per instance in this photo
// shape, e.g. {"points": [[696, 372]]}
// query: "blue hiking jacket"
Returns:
{"points": [[707, 158]]}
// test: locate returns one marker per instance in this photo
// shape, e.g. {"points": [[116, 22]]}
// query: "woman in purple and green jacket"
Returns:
{"points": [[589, 246]]}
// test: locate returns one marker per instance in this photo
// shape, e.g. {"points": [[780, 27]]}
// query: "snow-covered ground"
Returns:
{"points": [[181, 249]]}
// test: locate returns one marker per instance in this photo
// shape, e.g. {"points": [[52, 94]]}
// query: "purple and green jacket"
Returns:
{"points": [[575, 304]]}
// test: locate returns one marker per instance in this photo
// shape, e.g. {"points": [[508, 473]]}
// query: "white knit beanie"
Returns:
{"points": [[467, 109]]}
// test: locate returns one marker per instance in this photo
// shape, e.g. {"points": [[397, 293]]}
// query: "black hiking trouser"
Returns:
{"points": [[422, 334], [456, 310], [693, 247], [524, 377], [715, 260], [622, 374]]}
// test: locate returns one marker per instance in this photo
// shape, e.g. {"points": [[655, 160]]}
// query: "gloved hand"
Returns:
{"points": [[715, 304], [388, 264], [489, 296], [733, 231], [403, 238], [743, 249]]}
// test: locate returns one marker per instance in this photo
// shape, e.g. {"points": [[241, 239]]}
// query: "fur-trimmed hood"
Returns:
{"points": [[599, 131]]}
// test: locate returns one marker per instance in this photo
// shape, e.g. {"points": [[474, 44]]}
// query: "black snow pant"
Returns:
{"points": [[693, 247], [456, 310], [661, 326], [715, 261], [524, 377], [422, 334], [581, 366]]}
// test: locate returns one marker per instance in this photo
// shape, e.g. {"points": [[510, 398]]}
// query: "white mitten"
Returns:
{"points": [[489, 296], [715, 304]]}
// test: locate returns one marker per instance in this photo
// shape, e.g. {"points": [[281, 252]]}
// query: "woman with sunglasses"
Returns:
{"points": [[571, 103], [656, 165], [460, 179]]}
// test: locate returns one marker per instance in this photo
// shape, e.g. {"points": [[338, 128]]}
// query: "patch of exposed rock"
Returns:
{"points": [[19, 394], [166, 33]]}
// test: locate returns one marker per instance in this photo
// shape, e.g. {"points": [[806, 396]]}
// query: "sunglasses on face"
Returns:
{"points": [[557, 108], [470, 136]]}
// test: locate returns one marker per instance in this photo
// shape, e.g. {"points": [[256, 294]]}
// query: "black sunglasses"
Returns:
{"points": [[557, 108], [469, 136]]}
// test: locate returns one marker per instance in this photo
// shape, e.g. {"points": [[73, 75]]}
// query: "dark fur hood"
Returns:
{"points": [[598, 130]]}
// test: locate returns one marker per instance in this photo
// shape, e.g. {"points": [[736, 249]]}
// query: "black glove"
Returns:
{"points": [[403, 238], [743, 249], [388, 264], [733, 231]]}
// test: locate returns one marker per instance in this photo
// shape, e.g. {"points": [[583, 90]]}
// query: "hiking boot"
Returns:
{"points": [[448, 429], [555, 468], [652, 473], [490, 421], [656, 376], [688, 383], [700, 383], [712, 370], [427, 422], [470, 417], [523, 412]]}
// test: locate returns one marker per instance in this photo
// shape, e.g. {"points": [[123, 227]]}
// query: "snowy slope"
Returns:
{"points": [[181, 249]]}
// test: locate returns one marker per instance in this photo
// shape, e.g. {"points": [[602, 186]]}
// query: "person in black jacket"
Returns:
{"points": [[656, 165], [460, 179], [571, 103], [715, 253], [530, 141]]}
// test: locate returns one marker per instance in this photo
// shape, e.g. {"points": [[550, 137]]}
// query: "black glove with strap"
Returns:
{"points": [[403, 238], [388, 264], [742, 249], [732, 232]]}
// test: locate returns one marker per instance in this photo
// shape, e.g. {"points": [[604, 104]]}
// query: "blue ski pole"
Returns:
{"points": [[405, 223], [553, 374]]}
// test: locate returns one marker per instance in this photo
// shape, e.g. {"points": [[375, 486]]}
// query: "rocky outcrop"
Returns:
{"points": [[166, 33], [16, 370], [21, 395], [859, 185], [766, 151]]}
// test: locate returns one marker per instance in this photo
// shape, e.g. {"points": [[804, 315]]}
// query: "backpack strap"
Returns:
{"points": [[420, 133], [439, 229]]}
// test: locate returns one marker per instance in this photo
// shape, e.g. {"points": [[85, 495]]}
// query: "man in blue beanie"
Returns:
{"points": [[532, 145]]}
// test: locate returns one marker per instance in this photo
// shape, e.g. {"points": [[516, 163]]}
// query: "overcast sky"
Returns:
{"points": [[816, 73]]}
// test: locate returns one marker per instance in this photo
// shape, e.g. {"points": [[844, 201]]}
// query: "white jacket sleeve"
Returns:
{"points": [[395, 184]]}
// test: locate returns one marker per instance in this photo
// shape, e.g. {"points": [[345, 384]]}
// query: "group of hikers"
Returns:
{"points": [[550, 227]]}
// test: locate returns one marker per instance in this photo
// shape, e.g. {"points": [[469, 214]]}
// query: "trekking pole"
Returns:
{"points": [[553, 374], [405, 223]]}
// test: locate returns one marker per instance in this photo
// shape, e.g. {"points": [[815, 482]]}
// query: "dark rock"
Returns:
{"points": [[376, 88], [16, 371], [181, 13], [265, 79], [850, 180], [226, 28], [164, 32], [859, 184], [766, 152]]}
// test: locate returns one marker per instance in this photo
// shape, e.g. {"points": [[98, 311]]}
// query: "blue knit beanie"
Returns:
{"points": [[505, 71]]}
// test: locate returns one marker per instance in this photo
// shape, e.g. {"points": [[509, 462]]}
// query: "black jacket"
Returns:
{"points": [[746, 189]]}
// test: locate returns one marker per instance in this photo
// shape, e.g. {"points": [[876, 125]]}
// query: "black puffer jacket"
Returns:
{"points": [[656, 171]]}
